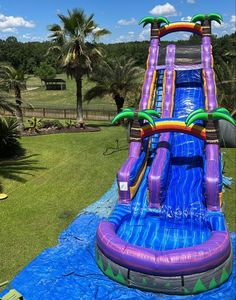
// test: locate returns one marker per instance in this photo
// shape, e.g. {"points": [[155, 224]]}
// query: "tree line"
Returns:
{"points": [[27, 56]]}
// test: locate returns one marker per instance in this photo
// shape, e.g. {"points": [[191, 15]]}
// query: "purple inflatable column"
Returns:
{"points": [[123, 175], [150, 76], [211, 150], [157, 175]]}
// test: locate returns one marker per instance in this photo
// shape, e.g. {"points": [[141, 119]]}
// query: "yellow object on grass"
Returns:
{"points": [[3, 196]]}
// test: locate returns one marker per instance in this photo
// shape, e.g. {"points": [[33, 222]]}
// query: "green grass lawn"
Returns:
{"points": [[43, 202], [65, 173], [39, 97], [229, 197]]}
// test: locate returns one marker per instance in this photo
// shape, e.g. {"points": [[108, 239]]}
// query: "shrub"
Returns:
{"points": [[9, 139], [70, 124], [51, 123], [45, 71], [34, 125]]}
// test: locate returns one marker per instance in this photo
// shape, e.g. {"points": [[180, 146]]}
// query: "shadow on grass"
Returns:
{"points": [[106, 124], [16, 169]]}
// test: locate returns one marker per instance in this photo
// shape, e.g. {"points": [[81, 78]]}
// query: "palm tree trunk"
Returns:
{"points": [[135, 131], [19, 114], [79, 108], [212, 131]]}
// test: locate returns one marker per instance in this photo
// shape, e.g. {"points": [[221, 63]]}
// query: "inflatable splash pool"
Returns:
{"points": [[168, 232]]}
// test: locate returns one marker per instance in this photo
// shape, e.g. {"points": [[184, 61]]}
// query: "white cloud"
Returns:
{"points": [[32, 38], [191, 1], [186, 36], [96, 29], [186, 19], [233, 19], [130, 36], [166, 10], [144, 34], [9, 23], [215, 24], [26, 36], [9, 29], [125, 22]]}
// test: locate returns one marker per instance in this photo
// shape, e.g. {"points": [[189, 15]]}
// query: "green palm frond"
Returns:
{"points": [[200, 110], [223, 116], [123, 115], [129, 113], [6, 105], [128, 109], [152, 112], [100, 32], [117, 75], [144, 116], [146, 20], [215, 17], [217, 114], [150, 20], [76, 42], [161, 20], [198, 17], [221, 110], [203, 116]]}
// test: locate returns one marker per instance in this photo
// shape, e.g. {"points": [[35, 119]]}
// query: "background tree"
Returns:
{"points": [[4, 104], [116, 77], [226, 84], [76, 43], [45, 71], [12, 79]]}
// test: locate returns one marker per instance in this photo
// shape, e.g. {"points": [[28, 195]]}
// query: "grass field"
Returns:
{"points": [[229, 196], [62, 175], [37, 96]]}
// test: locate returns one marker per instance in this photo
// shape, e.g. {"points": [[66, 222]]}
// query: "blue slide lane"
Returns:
{"points": [[182, 219]]}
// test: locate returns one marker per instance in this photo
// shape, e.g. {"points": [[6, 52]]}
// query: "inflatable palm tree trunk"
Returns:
{"points": [[135, 130], [155, 30], [206, 26], [212, 130]]}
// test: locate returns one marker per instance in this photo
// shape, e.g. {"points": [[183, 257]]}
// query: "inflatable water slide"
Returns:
{"points": [[167, 232]]}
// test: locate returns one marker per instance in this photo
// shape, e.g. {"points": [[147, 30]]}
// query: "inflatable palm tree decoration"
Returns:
{"points": [[136, 117], [206, 21], [156, 23], [211, 121]]}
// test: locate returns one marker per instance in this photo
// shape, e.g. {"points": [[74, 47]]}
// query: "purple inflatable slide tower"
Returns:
{"points": [[167, 232]]}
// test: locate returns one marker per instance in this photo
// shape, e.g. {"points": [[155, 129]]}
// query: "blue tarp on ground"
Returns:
{"points": [[69, 270]]}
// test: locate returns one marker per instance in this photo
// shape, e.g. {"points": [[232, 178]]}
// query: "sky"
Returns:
{"points": [[28, 20]]}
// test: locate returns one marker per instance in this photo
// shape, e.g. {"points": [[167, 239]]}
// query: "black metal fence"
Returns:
{"points": [[68, 113]]}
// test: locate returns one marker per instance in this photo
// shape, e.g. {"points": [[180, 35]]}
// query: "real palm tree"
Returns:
{"points": [[156, 23], [211, 119], [76, 42], [13, 79], [206, 20], [116, 77], [4, 104], [136, 117]]}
